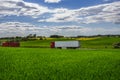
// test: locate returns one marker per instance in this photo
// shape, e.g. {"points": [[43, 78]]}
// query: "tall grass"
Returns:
{"points": [[56, 64]]}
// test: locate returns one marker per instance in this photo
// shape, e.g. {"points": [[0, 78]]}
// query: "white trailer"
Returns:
{"points": [[65, 44]]}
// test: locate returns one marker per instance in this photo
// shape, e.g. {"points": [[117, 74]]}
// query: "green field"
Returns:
{"points": [[57, 64], [34, 60], [98, 43]]}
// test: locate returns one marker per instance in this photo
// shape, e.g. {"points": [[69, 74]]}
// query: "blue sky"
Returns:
{"points": [[71, 4], [61, 17]]}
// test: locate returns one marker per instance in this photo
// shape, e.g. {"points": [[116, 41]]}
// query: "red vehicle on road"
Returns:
{"points": [[10, 44]]}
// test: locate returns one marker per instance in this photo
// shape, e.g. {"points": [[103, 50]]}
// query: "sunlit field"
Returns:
{"points": [[57, 64], [95, 43], [35, 60]]}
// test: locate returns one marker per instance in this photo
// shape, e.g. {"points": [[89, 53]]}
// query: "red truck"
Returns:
{"points": [[10, 44], [65, 44]]}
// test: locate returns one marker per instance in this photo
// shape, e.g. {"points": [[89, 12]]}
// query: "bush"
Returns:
{"points": [[117, 45]]}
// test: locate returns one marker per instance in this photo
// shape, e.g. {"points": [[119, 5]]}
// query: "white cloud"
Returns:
{"points": [[109, 12], [73, 30], [52, 1], [16, 29], [99, 30], [61, 15], [22, 29], [101, 13], [10, 29], [21, 8]]}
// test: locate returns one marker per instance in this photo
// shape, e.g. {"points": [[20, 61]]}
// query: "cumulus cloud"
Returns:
{"points": [[109, 12], [21, 8], [52, 1], [73, 30], [16, 29], [61, 15], [10, 29], [99, 30]]}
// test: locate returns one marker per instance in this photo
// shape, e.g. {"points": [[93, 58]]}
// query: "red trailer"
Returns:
{"points": [[10, 44], [52, 44]]}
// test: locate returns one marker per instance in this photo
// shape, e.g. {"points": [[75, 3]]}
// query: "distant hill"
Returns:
{"points": [[96, 42]]}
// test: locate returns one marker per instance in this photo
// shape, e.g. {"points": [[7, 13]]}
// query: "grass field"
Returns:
{"points": [[57, 64], [95, 60], [97, 43], [100, 43]]}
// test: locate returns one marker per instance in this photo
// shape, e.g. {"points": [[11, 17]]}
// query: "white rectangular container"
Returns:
{"points": [[67, 44]]}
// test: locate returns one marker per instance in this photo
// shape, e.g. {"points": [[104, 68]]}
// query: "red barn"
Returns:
{"points": [[10, 44]]}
